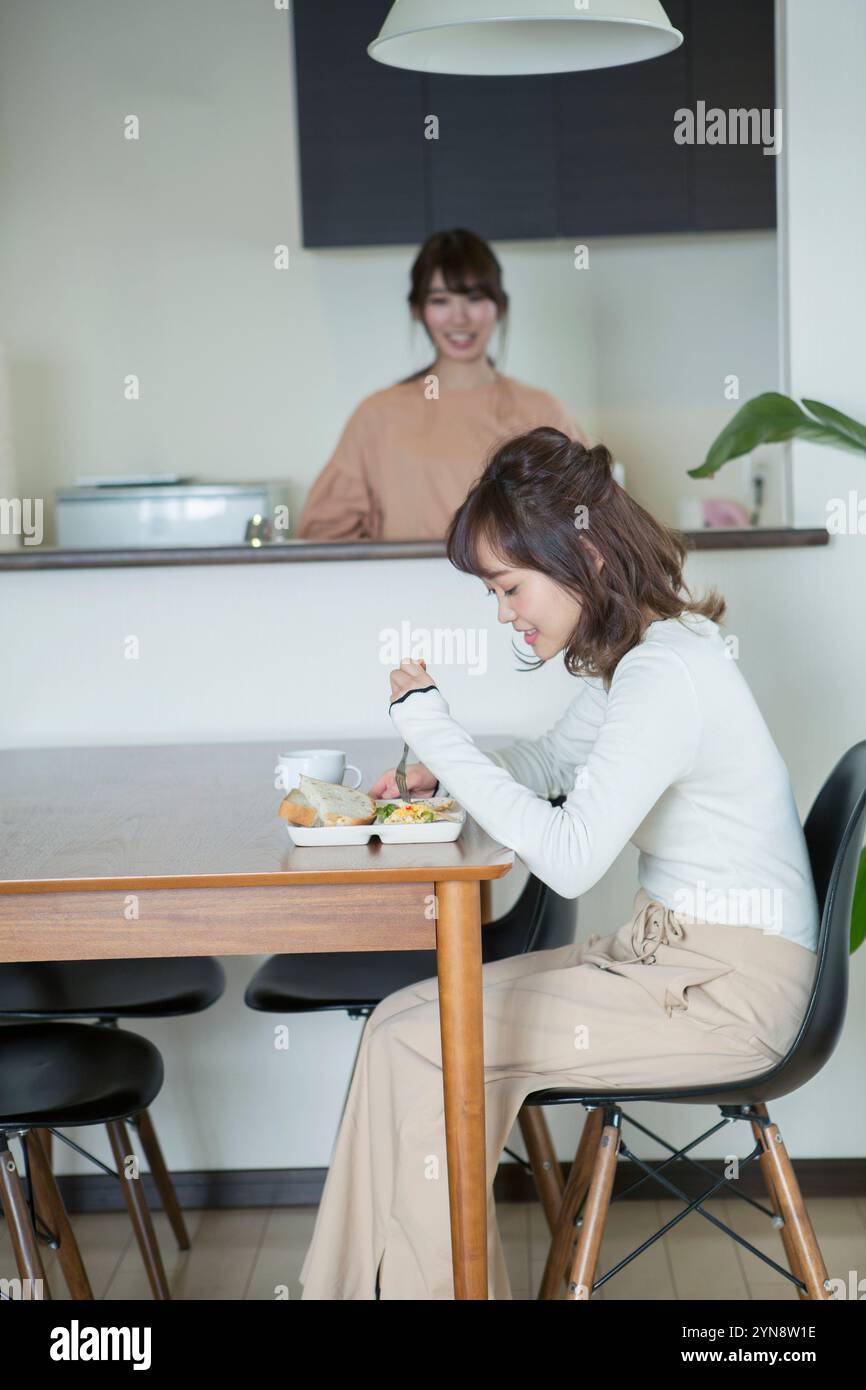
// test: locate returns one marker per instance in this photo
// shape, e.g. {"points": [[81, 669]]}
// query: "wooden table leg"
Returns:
{"points": [[486, 901], [458, 944]]}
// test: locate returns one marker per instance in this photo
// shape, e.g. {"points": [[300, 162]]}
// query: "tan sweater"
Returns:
{"points": [[403, 463]]}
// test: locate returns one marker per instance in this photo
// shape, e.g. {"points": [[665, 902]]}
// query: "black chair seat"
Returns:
{"points": [[539, 920], [54, 1075], [343, 980], [154, 987], [756, 1090]]}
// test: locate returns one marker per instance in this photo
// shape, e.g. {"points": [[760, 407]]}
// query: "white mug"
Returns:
{"points": [[328, 764]]}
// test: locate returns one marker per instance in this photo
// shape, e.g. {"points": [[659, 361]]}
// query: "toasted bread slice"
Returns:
{"points": [[296, 809], [337, 805]]}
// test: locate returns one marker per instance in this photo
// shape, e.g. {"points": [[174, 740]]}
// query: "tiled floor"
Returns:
{"points": [[253, 1252]]}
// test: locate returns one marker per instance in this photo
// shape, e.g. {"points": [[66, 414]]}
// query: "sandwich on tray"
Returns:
{"points": [[316, 803]]}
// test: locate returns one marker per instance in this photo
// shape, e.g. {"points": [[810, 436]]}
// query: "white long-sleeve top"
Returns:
{"points": [[675, 758]]}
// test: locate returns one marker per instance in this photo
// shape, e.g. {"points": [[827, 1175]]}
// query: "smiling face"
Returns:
{"points": [[460, 325], [542, 613]]}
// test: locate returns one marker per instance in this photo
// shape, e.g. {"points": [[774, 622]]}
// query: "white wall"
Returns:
{"points": [[235, 652], [822, 262]]}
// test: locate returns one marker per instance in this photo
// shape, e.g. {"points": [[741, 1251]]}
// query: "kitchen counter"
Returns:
{"points": [[301, 551]]}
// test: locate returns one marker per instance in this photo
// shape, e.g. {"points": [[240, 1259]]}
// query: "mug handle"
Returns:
{"points": [[350, 767]]}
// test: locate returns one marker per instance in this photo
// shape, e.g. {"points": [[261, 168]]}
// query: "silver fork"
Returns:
{"points": [[400, 775]]}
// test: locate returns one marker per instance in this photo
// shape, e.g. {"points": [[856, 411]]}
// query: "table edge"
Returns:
{"points": [[141, 883]]}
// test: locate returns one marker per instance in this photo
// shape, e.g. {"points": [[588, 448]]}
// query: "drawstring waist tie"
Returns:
{"points": [[654, 926]]}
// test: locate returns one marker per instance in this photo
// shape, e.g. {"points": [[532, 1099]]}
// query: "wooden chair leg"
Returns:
{"points": [[805, 1257], [546, 1171], [561, 1251], [49, 1201], [784, 1230], [139, 1212], [46, 1138], [162, 1177], [595, 1215], [25, 1246]]}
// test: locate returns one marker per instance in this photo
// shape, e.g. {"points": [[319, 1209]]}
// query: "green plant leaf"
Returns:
{"points": [[858, 910], [852, 429], [773, 418]]}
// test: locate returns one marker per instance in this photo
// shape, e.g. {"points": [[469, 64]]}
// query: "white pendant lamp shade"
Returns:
{"points": [[507, 37]]}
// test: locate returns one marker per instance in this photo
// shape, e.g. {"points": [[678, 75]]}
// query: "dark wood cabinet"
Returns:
{"points": [[496, 157], [566, 155], [733, 181], [363, 172], [619, 168]]}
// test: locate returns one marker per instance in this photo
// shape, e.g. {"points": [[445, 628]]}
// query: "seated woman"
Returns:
{"points": [[663, 747], [409, 453]]}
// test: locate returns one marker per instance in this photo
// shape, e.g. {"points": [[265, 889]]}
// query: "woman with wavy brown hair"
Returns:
{"points": [[663, 747]]}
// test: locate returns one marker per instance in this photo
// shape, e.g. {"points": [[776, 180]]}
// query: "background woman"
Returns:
{"points": [[410, 452], [663, 746]]}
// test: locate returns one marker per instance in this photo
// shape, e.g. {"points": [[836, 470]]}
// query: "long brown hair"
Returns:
{"points": [[540, 499], [466, 262]]}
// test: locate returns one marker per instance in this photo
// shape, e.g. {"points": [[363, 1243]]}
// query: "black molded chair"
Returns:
{"points": [[68, 1074], [357, 981], [107, 991], [834, 831]]}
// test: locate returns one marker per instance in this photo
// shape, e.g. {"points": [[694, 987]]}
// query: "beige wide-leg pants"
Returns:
{"points": [[666, 1000]]}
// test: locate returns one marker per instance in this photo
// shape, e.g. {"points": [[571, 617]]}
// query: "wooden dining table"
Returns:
{"points": [[178, 850]]}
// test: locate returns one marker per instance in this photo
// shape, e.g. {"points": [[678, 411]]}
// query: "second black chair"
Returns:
{"points": [[64, 1075], [108, 991]]}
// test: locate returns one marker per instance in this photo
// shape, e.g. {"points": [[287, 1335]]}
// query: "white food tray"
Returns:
{"points": [[434, 832]]}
